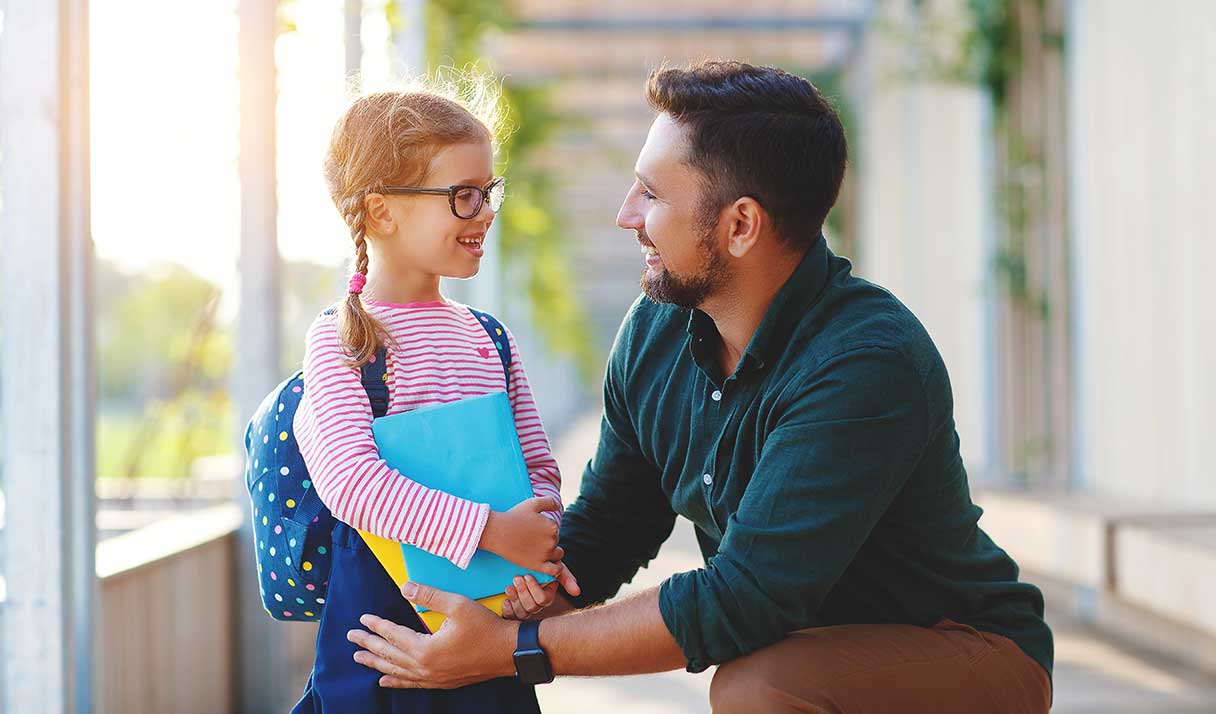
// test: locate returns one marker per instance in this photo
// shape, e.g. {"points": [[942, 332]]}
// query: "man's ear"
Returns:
{"points": [[746, 220], [379, 219]]}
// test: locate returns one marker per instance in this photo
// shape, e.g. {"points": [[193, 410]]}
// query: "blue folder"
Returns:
{"points": [[470, 449]]}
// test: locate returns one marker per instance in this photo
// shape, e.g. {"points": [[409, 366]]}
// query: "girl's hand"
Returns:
{"points": [[527, 597], [524, 536]]}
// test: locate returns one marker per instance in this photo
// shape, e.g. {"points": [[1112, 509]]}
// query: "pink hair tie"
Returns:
{"points": [[357, 281]]}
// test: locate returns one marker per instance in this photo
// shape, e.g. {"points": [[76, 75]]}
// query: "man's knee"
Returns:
{"points": [[755, 683], [732, 684]]}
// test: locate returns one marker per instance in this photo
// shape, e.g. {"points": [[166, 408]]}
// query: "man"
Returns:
{"points": [[801, 418]]}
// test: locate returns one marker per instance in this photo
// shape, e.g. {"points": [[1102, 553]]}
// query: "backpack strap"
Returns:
{"points": [[498, 335]]}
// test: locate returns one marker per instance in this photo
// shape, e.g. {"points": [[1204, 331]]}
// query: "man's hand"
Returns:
{"points": [[524, 536], [473, 644], [527, 597]]}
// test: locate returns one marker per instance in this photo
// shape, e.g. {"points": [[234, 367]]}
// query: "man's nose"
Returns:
{"points": [[628, 217]]}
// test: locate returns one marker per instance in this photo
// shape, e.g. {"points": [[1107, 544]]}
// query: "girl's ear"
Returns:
{"points": [[379, 218]]}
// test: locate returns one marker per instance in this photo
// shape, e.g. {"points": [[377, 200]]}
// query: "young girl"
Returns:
{"points": [[412, 174]]}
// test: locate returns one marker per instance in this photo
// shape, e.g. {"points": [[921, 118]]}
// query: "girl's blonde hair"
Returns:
{"points": [[391, 138]]}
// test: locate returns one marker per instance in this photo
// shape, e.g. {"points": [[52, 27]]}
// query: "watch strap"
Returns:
{"points": [[529, 636]]}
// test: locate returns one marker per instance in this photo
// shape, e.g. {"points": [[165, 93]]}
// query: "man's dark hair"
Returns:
{"points": [[758, 132]]}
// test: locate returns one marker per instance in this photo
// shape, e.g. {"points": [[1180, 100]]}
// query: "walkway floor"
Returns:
{"points": [[1093, 674]]}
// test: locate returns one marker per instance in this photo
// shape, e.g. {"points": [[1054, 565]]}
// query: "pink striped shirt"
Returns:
{"points": [[442, 354]]}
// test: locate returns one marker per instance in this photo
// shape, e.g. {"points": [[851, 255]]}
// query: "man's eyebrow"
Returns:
{"points": [[645, 181]]}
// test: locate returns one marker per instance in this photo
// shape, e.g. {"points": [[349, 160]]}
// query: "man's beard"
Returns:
{"points": [[690, 292]]}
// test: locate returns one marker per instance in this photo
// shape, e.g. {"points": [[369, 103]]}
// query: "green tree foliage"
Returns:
{"points": [[164, 361], [148, 328]]}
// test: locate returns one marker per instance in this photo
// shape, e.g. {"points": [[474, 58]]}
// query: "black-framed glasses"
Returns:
{"points": [[466, 201]]}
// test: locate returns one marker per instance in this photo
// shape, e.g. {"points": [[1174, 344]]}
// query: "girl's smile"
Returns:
{"points": [[473, 243]]}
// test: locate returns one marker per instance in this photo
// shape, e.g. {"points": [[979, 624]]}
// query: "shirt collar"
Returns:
{"points": [[789, 306]]}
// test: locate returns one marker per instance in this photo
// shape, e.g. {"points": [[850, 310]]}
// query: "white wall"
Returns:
{"points": [[1142, 124]]}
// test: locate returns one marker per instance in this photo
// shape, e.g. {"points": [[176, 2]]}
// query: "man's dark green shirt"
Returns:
{"points": [[823, 476]]}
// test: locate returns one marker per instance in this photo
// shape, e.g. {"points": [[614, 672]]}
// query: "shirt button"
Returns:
{"points": [[708, 479], [716, 396]]}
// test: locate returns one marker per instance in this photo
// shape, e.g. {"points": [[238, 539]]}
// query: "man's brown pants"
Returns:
{"points": [[884, 669]]}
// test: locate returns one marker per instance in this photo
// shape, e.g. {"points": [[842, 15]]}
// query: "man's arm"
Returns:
{"points": [[635, 623], [474, 645], [629, 637]]}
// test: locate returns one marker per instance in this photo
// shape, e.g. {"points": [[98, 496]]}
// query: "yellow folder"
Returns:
{"points": [[389, 554]]}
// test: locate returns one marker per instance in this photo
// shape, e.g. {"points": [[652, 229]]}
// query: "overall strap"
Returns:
{"points": [[498, 335], [375, 382], [374, 378]]}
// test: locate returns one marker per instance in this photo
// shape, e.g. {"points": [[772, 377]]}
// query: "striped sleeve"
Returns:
{"points": [[538, 456], [333, 427]]}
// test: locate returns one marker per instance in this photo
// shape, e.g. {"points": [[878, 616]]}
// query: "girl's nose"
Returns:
{"points": [[486, 213]]}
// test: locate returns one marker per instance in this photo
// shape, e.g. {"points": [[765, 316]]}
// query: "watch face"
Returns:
{"points": [[532, 667]]}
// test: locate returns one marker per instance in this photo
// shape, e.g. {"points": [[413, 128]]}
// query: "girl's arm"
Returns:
{"points": [[333, 426]]}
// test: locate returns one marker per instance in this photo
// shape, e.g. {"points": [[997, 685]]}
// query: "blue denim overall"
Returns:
{"points": [[338, 684]]}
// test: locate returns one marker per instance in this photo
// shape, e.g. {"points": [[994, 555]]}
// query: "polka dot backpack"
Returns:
{"points": [[292, 528]]}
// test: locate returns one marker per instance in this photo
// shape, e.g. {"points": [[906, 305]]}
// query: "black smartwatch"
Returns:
{"points": [[531, 662]]}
